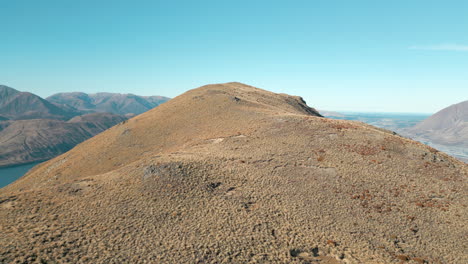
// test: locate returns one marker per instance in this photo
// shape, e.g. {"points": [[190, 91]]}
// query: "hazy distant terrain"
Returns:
{"points": [[449, 126], [120, 104], [390, 121], [446, 130]]}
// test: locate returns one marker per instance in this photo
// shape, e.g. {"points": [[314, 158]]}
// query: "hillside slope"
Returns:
{"points": [[449, 126], [230, 173], [17, 105], [25, 141], [108, 102]]}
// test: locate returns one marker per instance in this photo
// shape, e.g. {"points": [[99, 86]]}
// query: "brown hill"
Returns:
{"points": [[230, 173], [25, 141]]}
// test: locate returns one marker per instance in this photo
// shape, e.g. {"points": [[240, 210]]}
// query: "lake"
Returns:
{"points": [[11, 174], [390, 121]]}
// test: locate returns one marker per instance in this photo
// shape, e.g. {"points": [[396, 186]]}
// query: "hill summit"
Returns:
{"points": [[229, 173]]}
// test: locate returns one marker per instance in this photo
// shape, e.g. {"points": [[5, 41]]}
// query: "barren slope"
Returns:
{"points": [[233, 174], [449, 126], [25, 141]]}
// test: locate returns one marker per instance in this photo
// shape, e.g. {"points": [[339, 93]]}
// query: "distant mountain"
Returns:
{"points": [[16, 105], [25, 141], [121, 104], [449, 126], [6, 93]]}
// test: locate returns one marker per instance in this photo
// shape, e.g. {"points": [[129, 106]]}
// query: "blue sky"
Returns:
{"points": [[385, 56]]}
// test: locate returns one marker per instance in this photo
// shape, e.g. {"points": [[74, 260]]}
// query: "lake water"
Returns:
{"points": [[390, 121], [11, 174]]}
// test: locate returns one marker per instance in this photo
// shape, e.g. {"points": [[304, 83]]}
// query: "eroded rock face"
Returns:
{"points": [[206, 178]]}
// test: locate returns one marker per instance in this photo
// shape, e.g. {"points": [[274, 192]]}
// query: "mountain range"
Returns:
{"points": [[16, 105], [121, 104], [238, 174], [35, 129]]}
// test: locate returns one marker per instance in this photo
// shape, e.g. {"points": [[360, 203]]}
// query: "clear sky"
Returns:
{"points": [[385, 56]]}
